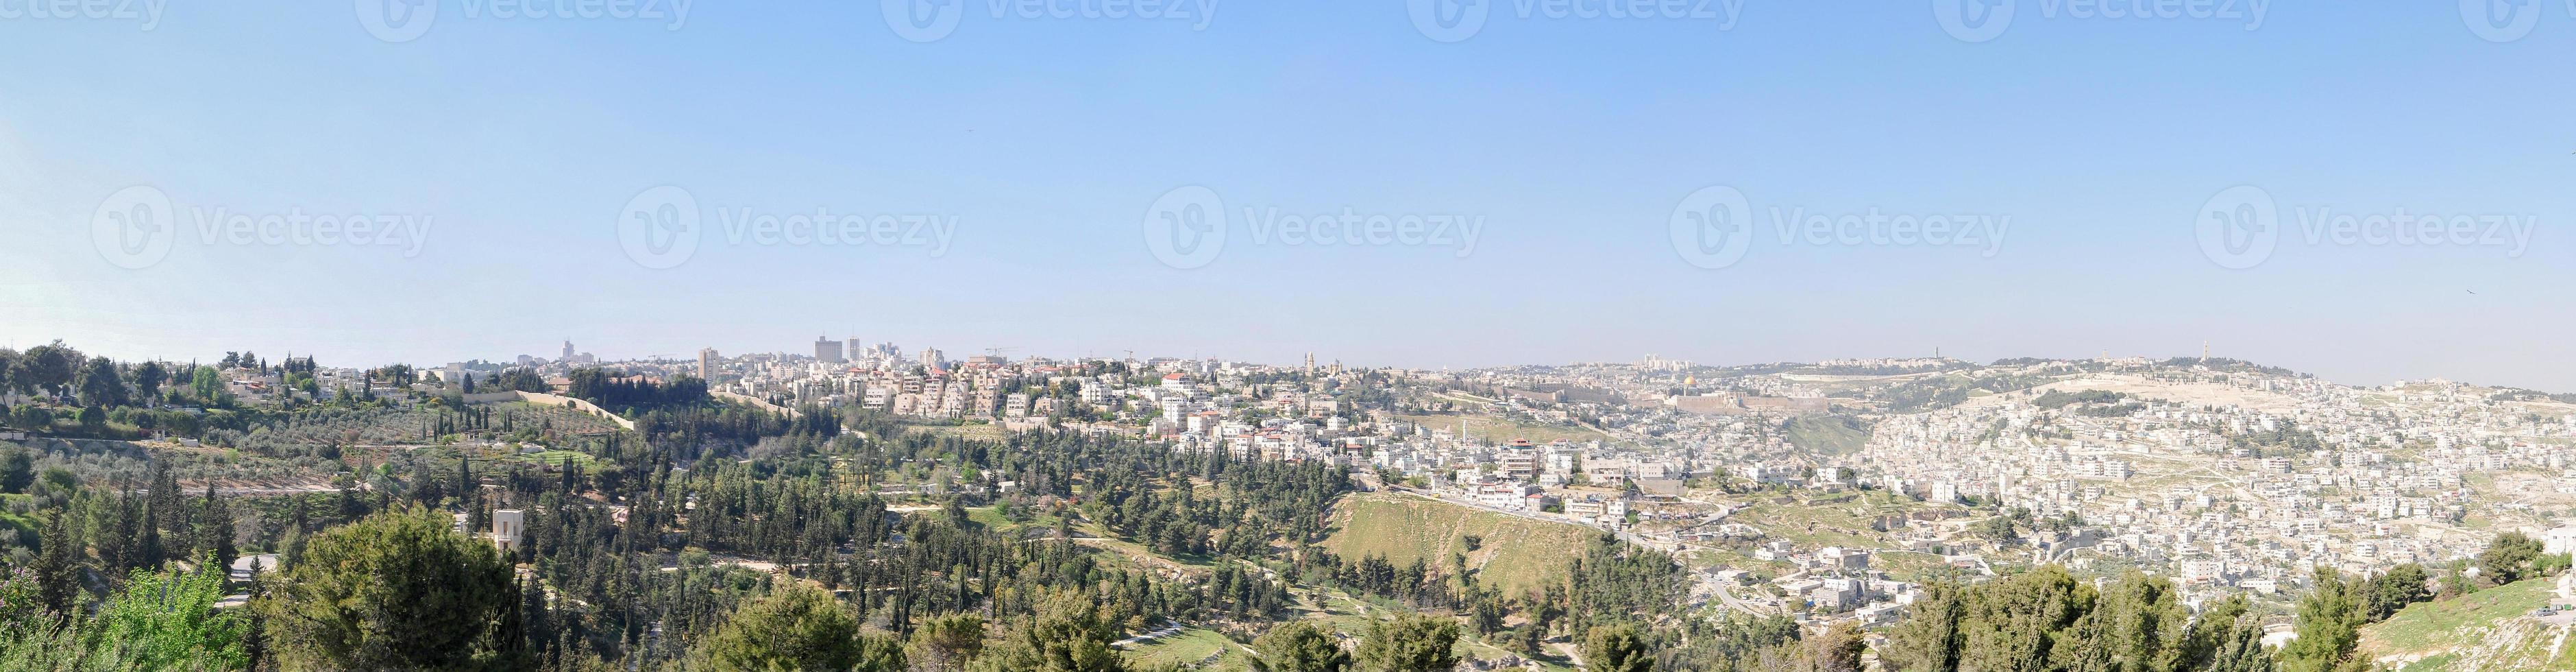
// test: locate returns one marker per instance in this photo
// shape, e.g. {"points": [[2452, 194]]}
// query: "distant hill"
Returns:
{"points": [[2491, 630]]}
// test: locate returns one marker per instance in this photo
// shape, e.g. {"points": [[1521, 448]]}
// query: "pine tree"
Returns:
{"points": [[215, 530], [57, 570]]}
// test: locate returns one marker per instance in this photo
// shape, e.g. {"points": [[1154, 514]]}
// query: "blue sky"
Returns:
{"points": [[1569, 141]]}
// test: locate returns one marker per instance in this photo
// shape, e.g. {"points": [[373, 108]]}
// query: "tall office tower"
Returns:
{"points": [[706, 364], [828, 350]]}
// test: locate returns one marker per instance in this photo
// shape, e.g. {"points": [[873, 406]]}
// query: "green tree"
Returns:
{"points": [[1298, 646], [101, 385], [17, 470], [206, 383], [1410, 643], [2329, 623], [215, 528], [399, 589], [800, 627], [2136, 624], [2399, 586], [49, 368], [1837, 649], [1068, 634], [1617, 648], [946, 643], [157, 621], [2243, 652], [33, 418], [2510, 558], [57, 568], [148, 378], [167, 621], [1928, 639]]}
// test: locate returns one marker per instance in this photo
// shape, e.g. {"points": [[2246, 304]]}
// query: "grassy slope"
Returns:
{"points": [[1826, 435], [1517, 553], [2487, 630]]}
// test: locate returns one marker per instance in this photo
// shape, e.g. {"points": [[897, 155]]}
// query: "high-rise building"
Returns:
{"points": [[930, 358], [567, 352], [854, 349], [706, 364], [828, 350]]}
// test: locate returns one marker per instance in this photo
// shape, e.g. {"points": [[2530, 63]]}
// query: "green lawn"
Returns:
{"points": [[1189, 647]]}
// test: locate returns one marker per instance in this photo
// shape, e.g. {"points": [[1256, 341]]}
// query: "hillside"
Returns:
{"points": [[2488, 631], [1516, 553]]}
